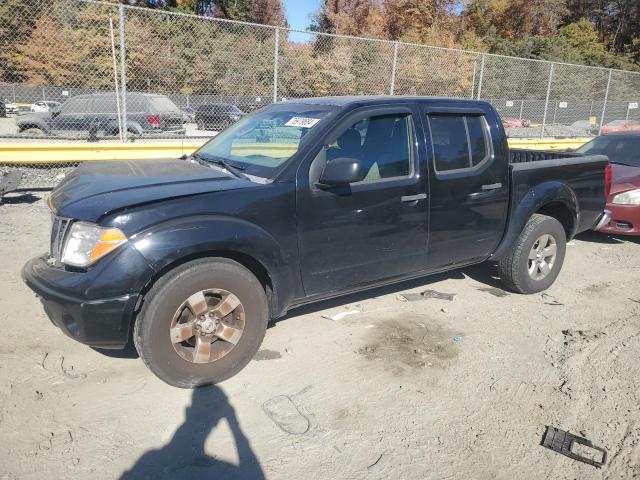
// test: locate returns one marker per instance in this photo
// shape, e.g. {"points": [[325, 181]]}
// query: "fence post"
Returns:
{"points": [[123, 73], [473, 81], [394, 64], [115, 76], [546, 102], [521, 108], [276, 56], [604, 104], [481, 76]]}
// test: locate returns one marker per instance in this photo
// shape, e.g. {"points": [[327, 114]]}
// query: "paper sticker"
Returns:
{"points": [[633, 105], [509, 103], [563, 104], [304, 122]]}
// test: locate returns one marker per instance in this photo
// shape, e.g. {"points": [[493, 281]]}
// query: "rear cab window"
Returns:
{"points": [[459, 141]]}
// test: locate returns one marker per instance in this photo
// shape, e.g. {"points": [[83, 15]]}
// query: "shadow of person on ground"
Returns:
{"points": [[184, 456]]}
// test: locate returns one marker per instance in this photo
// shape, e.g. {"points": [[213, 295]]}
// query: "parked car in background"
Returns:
{"points": [[623, 201], [621, 126], [188, 115], [193, 257], [45, 106], [510, 122], [10, 107], [97, 113], [586, 126], [217, 116]]}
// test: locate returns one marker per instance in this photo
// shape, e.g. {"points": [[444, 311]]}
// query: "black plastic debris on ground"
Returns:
{"points": [[412, 297], [567, 443], [496, 292], [9, 181]]}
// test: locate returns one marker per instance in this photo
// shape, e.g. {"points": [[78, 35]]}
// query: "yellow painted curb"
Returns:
{"points": [[29, 153]]}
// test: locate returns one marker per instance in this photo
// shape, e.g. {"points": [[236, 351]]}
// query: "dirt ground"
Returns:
{"points": [[431, 389]]}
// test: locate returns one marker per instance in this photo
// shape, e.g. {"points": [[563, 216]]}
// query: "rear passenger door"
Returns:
{"points": [[469, 187]]}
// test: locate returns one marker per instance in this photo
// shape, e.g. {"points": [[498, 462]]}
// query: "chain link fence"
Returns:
{"points": [[83, 69]]}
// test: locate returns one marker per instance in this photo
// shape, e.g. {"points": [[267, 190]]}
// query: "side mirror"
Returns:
{"points": [[342, 171]]}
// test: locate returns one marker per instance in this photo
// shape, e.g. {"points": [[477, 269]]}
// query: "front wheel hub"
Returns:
{"points": [[207, 326]]}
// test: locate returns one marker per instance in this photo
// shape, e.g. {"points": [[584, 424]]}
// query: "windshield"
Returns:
{"points": [[263, 141], [623, 149]]}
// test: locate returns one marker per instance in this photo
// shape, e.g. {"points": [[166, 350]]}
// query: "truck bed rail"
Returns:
{"points": [[523, 156]]}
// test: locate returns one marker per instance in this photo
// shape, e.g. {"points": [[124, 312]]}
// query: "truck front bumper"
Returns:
{"points": [[99, 322]]}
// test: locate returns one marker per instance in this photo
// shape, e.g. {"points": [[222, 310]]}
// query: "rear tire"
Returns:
{"points": [[177, 362], [536, 257]]}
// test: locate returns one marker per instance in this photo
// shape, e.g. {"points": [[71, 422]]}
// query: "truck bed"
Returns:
{"points": [[580, 178]]}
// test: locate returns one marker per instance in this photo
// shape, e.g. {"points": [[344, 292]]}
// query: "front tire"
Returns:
{"points": [[201, 323], [536, 257]]}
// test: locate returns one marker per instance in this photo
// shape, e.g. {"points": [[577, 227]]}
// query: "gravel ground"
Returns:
{"points": [[431, 389]]}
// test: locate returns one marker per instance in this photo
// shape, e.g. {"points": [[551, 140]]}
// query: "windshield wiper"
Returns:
{"points": [[230, 167]]}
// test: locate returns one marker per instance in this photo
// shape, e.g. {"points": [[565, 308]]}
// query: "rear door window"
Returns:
{"points": [[477, 139], [76, 105], [449, 139], [459, 141], [104, 104], [137, 104]]}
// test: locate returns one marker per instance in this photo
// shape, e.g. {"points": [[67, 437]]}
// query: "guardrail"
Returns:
{"points": [[45, 153]]}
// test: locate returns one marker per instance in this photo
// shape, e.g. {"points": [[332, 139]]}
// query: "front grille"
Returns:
{"points": [[59, 230]]}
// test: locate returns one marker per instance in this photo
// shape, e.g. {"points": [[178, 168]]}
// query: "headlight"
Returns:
{"points": [[632, 197], [87, 242]]}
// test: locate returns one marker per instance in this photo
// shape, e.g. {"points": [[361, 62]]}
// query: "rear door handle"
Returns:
{"points": [[413, 198], [493, 186]]}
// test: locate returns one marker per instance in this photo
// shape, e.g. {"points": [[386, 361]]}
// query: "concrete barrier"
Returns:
{"points": [[30, 153]]}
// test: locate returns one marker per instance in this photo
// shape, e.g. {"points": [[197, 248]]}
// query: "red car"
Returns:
{"points": [[623, 200], [621, 126], [510, 122]]}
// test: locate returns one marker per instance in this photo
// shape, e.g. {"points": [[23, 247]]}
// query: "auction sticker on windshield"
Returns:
{"points": [[304, 122]]}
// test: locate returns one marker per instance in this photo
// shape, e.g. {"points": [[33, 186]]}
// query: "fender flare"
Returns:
{"points": [[171, 243], [532, 201]]}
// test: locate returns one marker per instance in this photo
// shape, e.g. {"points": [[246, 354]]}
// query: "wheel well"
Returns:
{"points": [[250, 263], [561, 212]]}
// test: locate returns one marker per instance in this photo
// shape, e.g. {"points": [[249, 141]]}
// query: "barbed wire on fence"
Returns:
{"points": [[77, 63]]}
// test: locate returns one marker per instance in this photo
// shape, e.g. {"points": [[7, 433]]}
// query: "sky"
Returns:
{"points": [[299, 12]]}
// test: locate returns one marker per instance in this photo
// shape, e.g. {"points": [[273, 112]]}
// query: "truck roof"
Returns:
{"points": [[344, 101]]}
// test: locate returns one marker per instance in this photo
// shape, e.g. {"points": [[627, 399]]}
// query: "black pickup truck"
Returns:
{"points": [[298, 202]]}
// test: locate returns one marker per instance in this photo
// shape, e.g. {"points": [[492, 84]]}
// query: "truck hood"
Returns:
{"points": [[625, 178], [95, 189]]}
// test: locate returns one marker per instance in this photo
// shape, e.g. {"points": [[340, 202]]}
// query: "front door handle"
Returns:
{"points": [[413, 198], [493, 186]]}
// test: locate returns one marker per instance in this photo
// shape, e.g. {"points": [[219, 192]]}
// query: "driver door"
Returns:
{"points": [[369, 231]]}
